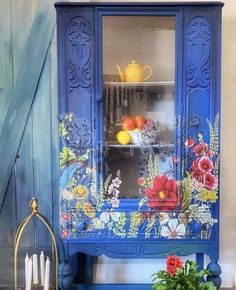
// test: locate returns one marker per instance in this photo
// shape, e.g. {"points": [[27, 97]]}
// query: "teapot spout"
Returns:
{"points": [[121, 74]]}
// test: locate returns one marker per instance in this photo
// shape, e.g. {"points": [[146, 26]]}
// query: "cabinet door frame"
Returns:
{"points": [[176, 12]]}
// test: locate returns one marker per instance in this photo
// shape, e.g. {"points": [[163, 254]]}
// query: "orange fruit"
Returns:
{"points": [[139, 121], [128, 123]]}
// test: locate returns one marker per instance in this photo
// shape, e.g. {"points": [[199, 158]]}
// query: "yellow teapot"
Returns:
{"points": [[134, 73]]}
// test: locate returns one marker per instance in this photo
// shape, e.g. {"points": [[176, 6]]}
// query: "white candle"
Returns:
{"points": [[35, 269], [42, 268], [29, 280], [47, 274], [26, 270]]}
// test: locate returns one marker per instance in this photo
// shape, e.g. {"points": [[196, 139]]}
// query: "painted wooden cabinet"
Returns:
{"points": [[139, 94]]}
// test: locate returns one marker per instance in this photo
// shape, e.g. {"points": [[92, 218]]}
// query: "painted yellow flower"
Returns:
{"points": [[88, 209], [80, 191], [207, 196]]}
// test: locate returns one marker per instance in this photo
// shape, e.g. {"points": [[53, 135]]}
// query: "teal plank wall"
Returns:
{"points": [[35, 168]]}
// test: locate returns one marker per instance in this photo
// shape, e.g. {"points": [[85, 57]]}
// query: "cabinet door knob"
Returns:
{"points": [[99, 97]]}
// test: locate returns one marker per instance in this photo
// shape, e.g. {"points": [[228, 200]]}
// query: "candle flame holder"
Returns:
{"points": [[35, 214]]}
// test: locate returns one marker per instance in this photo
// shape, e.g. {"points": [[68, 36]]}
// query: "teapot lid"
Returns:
{"points": [[133, 62]]}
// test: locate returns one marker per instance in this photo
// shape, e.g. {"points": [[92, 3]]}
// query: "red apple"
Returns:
{"points": [[128, 123], [139, 121]]}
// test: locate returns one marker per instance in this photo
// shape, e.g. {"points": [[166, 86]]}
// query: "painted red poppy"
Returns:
{"points": [[164, 193]]}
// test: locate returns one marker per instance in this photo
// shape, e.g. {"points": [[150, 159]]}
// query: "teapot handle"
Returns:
{"points": [[150, 72]]}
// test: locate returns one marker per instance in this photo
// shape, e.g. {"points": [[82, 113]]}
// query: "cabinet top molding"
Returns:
{"points": [[140, 4]]}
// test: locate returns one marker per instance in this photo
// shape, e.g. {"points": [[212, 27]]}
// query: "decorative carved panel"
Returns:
{"points": [[198, 54], [79, 54]]}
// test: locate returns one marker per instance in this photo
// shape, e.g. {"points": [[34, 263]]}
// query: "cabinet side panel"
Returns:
{"points": [[76, 92], [201, 123]]}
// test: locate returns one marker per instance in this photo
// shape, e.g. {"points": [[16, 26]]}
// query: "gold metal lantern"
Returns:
{"points": [[54, 270]]}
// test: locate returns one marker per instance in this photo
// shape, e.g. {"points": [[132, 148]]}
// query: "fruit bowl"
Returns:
{"points": [[136, 137]]}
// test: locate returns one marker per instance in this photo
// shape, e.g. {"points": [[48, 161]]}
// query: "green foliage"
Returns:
{"points": [[118, 227], [102, 192], [135, 221], [186, 193], [62, 130], [66, 155], [153, 168], [84, 157], [142, 201], [184, 278], [150, 224], [214, 135], [71, 183], [217, 165]]}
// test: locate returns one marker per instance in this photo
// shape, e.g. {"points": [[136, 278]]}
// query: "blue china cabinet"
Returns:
{"points": [[139, 115]]}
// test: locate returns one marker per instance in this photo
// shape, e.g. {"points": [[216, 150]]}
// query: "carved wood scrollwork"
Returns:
{"points": [[198, 53], [79, 54]]}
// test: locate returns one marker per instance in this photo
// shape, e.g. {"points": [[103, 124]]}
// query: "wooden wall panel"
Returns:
{"points": [[21, 24], [42, 174], [7, 230], [36, 169], [6, 59], [24, 181], [24, 90], [54, 133]]}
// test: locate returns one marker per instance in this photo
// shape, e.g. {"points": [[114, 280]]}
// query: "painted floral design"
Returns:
{"points": [[189, 142], [201, 149], [88, 209], [169, 208], [173, 230], [80, 192], [164, 193]]}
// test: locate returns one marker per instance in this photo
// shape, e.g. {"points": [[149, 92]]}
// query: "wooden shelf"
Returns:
{"points": [[164, 86], [115, 145], [140, 84]]}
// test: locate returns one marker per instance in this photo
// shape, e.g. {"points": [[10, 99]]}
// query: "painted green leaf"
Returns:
{"points": [[62, 130], [66, 155]]}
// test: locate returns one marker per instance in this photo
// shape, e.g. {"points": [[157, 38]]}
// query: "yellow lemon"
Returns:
{"points": [[123, 137]]}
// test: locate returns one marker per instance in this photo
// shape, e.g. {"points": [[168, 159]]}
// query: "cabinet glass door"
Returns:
{"points": [[139, 106]]}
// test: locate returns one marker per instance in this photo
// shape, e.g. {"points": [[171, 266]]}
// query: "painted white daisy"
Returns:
{"points": [[173, 230]]}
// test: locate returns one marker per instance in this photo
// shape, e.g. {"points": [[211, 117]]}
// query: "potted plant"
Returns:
{"points": [[181, 276]]}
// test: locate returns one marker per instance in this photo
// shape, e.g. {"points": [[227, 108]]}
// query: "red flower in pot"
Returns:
{"points": [[164, 193]]}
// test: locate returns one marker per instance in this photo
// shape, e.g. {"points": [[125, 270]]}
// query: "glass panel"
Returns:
{"points": [[139, 100]]}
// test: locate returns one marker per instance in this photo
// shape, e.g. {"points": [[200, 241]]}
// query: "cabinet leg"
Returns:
{"points": [[65, 277], [215, 269], [200, 260]]}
